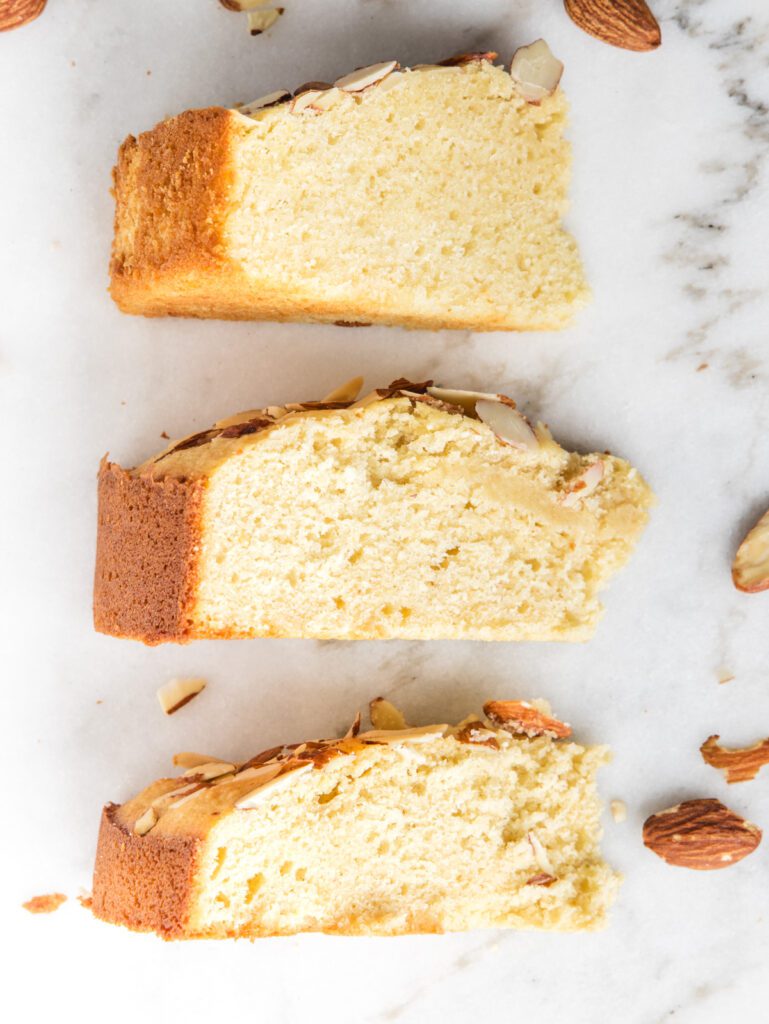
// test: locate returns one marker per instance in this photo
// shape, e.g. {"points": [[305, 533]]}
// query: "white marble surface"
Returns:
{"points": [[671, 207]]}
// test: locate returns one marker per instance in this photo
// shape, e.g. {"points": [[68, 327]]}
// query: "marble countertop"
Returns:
{"points": [[668, 367]]}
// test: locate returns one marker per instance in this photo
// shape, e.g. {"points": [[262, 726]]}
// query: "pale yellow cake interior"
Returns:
{"points": [[420, 835], [400, 519], [435, 195]]}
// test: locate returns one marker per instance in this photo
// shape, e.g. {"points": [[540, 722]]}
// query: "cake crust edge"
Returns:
{"points": [[147, 547]]}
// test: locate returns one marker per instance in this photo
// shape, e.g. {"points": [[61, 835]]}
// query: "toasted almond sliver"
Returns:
{"points": [[346, 392], [385, 716], [272, 99], [750, 571], [145, 822], [277, 782], [540, 854], [177, 692], [535, 71], [189, 759], [508, 424], [210, 770], [397, 736], [464, 399], [361, 79]]}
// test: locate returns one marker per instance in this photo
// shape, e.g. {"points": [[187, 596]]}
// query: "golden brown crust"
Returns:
{"points": [[146, 555], [144, 883], [170, 187]]}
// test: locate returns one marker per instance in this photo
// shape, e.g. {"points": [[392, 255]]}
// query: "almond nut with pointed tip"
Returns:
{"points": [[628, 24], [507, 423], [739, 764], [535, 71], [15, 13], [750, 570], [700, 834], [519, 717], [363, 78], [177, 692]]}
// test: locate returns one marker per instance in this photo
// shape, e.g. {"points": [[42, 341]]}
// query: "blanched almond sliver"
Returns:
{"points": [[464, 399], [359, 80], [739, 764], [210, 770], [178, 692], [346, 392], [279, 781], [750, 570], [507, 423], [535, 71], [145, 822], [385, 715], [272, 99], [583, 485]]}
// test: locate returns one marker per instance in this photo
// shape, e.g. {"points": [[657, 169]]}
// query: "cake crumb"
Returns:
{"points": [[165, 435], [618, 810], [703, 366], [45, 904]]}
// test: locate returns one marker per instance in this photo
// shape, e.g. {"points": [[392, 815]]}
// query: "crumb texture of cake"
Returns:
{"points": [[433, 198], [402, 515], [385, 832]]}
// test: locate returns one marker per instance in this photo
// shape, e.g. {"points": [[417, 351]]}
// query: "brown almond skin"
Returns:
{"points": [[519, 719], [739, 764], [703, 835], [628, 24], [15, 13]]}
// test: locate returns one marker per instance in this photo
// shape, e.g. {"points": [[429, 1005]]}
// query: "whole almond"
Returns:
{"points": [[15, 13], [628, 24], [518, 717], [700, 834]]}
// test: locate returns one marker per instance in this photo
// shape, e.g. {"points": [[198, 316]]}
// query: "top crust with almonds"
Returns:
{"points": [[429, 197], [469, 826], [416, 512]]}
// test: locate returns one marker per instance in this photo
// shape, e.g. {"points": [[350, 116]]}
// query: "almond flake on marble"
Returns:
{"points": [[177, 692], [210, 770]]}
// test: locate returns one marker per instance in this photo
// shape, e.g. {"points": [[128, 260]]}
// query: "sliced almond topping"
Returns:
{"points": [[476, 733], [535, 71], [517, 716], [354, 728], [739, 764], [618, 810], [385, 716], [507, 423], [165, 800], [260, 773], [189, 759], [210, 770], [288, 773], [540, 853], [542, 879], [464, 399], [393, 79], [272, 99], [259, 21], [750, 571], [396, 736], [346, 392], [361, 79], [583, 485], [145, 822], [307, 101], [178, 692], [459, 59]]}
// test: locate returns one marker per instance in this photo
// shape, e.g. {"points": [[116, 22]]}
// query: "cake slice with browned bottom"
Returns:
{"points": [[490, 823], [416, 513]]}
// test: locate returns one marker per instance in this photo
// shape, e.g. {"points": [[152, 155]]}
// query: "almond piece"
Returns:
{"points": [[346, 392], [279, 781], [535, 71], [259, 21], [739, 764], [542, 879], [15, 13], [477, 734], [145, 822], [385, 715], [354, 728], [700, 834], [628, 24], [189, 759], [519, 717], [272, 99], [209, 770], [363, 78], [178, 692], [540, 853], [582, 486], [420, 734], [464, 399], [750, 570], [508, 424]]}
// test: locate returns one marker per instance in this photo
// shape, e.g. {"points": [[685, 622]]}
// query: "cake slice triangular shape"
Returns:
{"points": [[415, 513], [429, 197], [490, 823]]}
